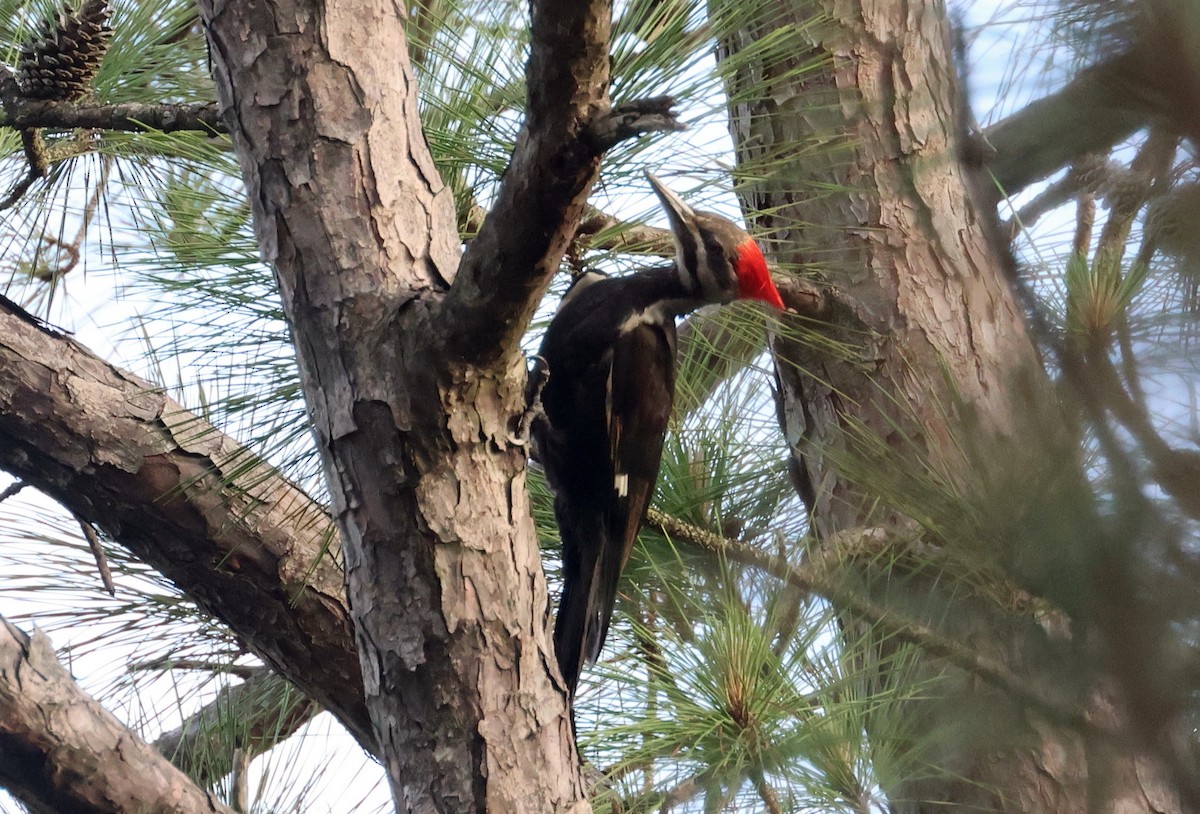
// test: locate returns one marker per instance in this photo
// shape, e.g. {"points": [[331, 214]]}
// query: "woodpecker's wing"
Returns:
{"points": [[641, 391], [641, 387], [610, 351]]}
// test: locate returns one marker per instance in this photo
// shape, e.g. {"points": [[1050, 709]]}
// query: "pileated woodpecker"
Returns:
{"points": [[610, 355]]}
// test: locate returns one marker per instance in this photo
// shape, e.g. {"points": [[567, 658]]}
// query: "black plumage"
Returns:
{"points": [[610, 354]]}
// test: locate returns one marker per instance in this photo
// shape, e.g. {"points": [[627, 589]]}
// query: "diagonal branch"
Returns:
{"points": [[247, 718], [1100, 107], [814, 577], [61, 751], [250, 548], [569, 122], [600, 230], [1157, 78]]}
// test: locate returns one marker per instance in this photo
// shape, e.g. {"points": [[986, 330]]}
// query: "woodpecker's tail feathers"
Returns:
{"points": [[581, 543], [591, 573], [603, 599]]}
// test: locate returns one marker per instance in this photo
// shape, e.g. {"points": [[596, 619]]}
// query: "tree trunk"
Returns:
{"points": [[411, 366], [942, 363]]}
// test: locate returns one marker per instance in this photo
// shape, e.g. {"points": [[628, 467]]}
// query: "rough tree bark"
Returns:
{"points": [[412, 372], [412, 387], [240, 540], [940, 343], [61, 751]]}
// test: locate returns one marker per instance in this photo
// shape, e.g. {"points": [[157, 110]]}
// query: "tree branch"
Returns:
{"points": [[1100, 107], [247, 718], [1157, 77], [21, 113], [132, 116], [250, 548], [600, 230], [1177, 471], [97, 549], [631, 120], [569, 122], [12, 490], [61, 751], [813, 577]]}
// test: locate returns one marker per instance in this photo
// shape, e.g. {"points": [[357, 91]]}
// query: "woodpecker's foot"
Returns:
{"points": [[533, 400]]}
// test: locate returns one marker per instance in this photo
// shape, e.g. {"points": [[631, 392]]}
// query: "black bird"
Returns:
{"points": [[610, 357]]}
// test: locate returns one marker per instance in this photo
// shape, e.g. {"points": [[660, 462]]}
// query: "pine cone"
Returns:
{"points": [[64, 59]]}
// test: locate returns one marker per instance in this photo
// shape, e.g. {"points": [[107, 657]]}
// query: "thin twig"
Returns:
{"points": [[241, 671], [12, 490], [35, 154], [98, 552]]}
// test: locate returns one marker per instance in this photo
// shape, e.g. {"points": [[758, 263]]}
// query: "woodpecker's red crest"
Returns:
{"points": [[754, 280], [716, 260]]}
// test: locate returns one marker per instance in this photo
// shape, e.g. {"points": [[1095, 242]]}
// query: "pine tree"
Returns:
{"points": [[923, 544]]}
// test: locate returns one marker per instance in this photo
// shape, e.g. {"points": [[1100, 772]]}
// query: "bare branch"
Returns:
{"points": [[132, 116], [93, 541], [243, 672], [1156, 78], [12, 490], [21, 113], [1089, 175], [1100, 107], [248, 718], [569, 122], [61, 751], [1177, 471], [113, 449], [600, 230], [630, 120], [35, 154]]}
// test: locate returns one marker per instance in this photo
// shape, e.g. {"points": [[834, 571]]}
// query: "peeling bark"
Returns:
{"points": [[411, 369], [60, 751], [230, 532]]}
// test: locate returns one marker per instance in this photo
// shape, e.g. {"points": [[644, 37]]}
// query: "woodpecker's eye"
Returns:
{"points": [[715, 250]]}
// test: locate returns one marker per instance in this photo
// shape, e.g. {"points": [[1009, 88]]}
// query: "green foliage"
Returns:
{"points": [[723, 684], [1099, 296]]}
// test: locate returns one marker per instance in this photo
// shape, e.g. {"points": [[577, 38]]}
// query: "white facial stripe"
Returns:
{"points": [[699, 278], [621, 485], [709, 285]]}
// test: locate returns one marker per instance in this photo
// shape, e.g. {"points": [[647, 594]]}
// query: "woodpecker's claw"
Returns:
{"points": [[533, 400]]}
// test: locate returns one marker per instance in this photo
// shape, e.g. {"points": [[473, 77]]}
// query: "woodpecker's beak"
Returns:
{"points": [[682, 216]]}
